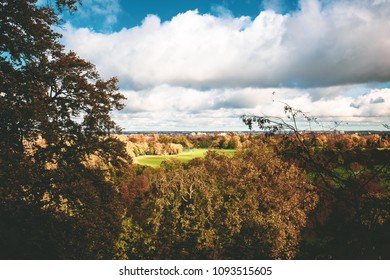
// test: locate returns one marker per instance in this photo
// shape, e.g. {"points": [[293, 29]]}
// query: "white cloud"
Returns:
{"points": [[339, 43], [177, 108], [103, 13], [375, 103], [199, 70]]}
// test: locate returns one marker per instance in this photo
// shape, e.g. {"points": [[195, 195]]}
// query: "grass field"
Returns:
{"points": [[185, 157]]}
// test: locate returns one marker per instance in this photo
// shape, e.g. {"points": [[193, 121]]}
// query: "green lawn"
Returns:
{"points": [[185, 156]]}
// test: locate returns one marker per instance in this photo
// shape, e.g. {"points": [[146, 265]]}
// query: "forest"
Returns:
{"points": [[323, 196], [70, 187]]}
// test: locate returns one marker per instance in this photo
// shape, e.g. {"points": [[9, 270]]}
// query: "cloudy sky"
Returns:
{"points": [[199, 65]]}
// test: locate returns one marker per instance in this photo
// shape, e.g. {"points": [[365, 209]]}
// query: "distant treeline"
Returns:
{"points": [[358, 132], [156, 144]]}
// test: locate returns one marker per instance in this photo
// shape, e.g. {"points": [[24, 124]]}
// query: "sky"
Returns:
{"points": [[200, 65]]}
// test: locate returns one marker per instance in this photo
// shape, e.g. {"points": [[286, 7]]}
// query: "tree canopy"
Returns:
{"points": [[251, 206], [54, 120]]}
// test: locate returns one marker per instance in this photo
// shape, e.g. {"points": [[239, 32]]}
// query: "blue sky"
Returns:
{"points": [[132, 12], [199, 65]]}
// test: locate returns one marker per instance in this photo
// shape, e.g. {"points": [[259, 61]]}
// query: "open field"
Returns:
{"points": [[186, 156]]}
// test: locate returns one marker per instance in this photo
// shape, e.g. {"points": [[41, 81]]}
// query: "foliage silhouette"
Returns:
{"points": [[54, 121]]}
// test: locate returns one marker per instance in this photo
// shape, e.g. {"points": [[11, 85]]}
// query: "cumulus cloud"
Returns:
{"points": [[341, 42], [202, 70], [377, 100], [372, 104], [98, 13], [180, 108]]}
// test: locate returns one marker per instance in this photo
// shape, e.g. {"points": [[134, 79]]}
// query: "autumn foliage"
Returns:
{"points": [[54, 116], [69, 190], [250, 206], [267, 202]]}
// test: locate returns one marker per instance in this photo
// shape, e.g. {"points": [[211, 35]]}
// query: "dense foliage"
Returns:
{"points": [[352, 176], [68, 190], [54, 116], [273, 199], [250, 206]]}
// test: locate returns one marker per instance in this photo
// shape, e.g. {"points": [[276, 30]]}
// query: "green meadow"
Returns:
{"points": [[186, 156]]}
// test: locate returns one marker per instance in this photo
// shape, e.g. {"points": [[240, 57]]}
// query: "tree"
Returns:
{"points": [[251, 206], [54, 120], [352, 217]]}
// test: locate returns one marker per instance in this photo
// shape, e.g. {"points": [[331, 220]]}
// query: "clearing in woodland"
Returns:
{"points": [[186, 156]]}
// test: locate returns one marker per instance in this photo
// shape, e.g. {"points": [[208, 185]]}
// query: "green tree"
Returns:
{"points": [[54, 120]]}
